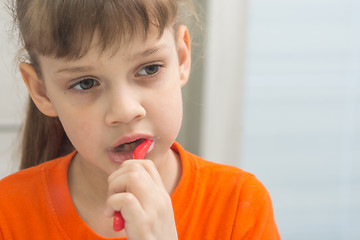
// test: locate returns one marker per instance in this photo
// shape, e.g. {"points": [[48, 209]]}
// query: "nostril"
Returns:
{"points": [[124, 113]]}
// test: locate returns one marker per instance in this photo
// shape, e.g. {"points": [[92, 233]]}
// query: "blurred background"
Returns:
{"points": [[274, 90]]}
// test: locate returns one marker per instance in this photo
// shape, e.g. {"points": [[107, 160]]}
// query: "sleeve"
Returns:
{"points": [[254, 215]]}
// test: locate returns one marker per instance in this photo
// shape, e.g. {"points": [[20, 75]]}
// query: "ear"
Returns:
{"points": [[184, 53], [37, 90]]}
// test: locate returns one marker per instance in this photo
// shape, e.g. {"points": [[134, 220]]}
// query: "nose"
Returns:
{"points": [[123, 106]]}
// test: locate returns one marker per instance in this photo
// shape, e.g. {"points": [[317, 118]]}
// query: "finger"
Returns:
{"points": [[134, 169], [132, 178], [123, 168], [153, 172], [139, 223], [148, 165], [135, 179], [126, 203]]}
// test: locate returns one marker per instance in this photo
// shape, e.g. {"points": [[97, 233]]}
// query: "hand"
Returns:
{"points": [[136, 189]]}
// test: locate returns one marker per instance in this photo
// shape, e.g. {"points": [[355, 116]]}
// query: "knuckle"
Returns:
{"points": [[110, 179], [134, 166], [128, 199], [122, 199], [133, 176], [112, 200], [149, 163]]}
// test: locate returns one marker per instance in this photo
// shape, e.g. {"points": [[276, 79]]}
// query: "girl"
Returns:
{"points": [[104, 76]]}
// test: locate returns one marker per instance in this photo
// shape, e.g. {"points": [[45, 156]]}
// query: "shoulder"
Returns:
{"points": [[231, 179], [212, 169], [22, 178], [31, 180], [241, 197], [212, 195], [224, 177], [21, 192], [29, 192]]}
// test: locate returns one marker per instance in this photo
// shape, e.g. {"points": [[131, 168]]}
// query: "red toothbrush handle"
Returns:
{"points": [[139, 153], [118, 221], [141, 150]]}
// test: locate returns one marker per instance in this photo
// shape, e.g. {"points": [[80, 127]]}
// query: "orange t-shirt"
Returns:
{"points": [[211, 201]]}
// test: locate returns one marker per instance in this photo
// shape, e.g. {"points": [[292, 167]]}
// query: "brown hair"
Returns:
{"points": [[65, 29]]}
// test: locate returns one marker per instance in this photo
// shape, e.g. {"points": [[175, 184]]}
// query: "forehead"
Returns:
{"points": [[140, 47], [137, 49]]}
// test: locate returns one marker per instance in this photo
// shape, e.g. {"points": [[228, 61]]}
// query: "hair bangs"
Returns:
{"points": [[67, 28]]}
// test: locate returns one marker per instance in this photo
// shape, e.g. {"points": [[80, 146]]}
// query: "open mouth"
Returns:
{"points": [[125, 151], [128, 147]]}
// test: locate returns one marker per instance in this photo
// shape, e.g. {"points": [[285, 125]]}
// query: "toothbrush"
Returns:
{"points": [[139, 153]]}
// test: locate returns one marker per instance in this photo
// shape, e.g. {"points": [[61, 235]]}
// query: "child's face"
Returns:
{"points": [[104, 100]]}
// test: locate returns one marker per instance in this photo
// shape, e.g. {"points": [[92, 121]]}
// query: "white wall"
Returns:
{"points": [[12, 96], [302, 113]]}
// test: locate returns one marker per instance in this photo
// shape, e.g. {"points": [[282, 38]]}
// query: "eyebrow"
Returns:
{"points": [[82, 69], [148, 52], [77, 69]]}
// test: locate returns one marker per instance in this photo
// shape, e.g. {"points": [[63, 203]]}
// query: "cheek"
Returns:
{"points": [[75, 120], [169, 112], [80, 130], [75, 129]]}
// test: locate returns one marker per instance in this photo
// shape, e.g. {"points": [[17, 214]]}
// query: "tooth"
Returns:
{"points": [[128, 146]]}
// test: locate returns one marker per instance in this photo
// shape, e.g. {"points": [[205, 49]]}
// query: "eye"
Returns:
{"points": [[85, 84], [149, 70]]}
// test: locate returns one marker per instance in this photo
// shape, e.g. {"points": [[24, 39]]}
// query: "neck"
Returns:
{"points": [[88, 185], [170, 170]]}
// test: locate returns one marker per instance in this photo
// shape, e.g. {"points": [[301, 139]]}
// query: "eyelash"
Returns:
{"points": [[82, 90], [158, 70]]}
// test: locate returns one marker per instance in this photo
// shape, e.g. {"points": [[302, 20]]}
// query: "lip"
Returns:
{"points": [[129, 138], [120, 157]]}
